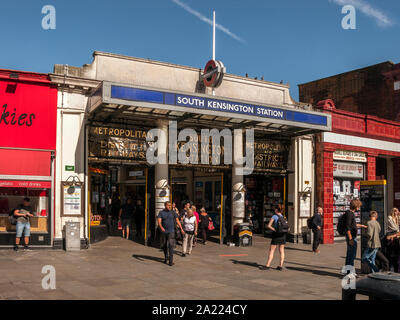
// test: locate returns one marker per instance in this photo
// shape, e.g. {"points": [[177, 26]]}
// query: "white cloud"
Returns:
{"points": [[206, 20], [381, 18]]}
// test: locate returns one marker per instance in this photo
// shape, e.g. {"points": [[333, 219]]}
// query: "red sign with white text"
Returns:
{"points": [[25, 184], [28, 115]]}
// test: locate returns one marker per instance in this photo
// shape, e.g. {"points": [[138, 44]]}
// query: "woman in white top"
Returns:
{"points": [[393, 221], [190, 227]]}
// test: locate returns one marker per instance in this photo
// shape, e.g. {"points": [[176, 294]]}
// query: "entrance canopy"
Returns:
{"points": [[135, 105]]}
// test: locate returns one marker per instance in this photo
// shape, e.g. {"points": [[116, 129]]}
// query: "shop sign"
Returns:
{"points": [[135, 173], [106, 142], [348, 170], [28, 115], [25, 184], [69, 168], [350, 156], [271, 154]]}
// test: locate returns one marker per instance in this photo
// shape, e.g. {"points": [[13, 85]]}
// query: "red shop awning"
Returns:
{"points": [[25, 163]]}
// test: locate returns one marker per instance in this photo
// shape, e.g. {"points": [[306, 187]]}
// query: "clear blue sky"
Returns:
{"points": [[291, 40]]}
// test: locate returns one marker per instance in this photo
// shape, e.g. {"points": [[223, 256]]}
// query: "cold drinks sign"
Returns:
{"points": [[28, 114]]}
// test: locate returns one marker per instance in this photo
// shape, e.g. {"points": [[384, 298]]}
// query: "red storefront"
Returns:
{"points": [[360, 147], [28, 119]]}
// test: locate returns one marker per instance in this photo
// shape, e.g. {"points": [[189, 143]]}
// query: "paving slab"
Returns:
{"points": [[119, 269]]}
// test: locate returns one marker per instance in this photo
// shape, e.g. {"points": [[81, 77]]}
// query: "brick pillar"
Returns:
{"points": [[396, 181], [325, 189], [371, 167]]}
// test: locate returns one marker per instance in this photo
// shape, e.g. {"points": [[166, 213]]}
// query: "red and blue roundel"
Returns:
{"points": [[213, 73]]}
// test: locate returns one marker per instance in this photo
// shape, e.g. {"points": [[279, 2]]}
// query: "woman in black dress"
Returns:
{"points": [[203, 224], [278, 240]]}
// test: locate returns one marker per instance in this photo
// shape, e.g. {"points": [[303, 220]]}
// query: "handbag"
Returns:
{"points": [[11, 218], [119, 225], [211, 226]]}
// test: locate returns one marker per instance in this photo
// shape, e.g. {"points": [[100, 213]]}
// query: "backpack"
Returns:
{"points": [[341, 226], [11, 218], [282, 225], [309, 222]]}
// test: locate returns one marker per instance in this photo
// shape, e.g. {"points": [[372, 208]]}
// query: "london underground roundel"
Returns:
{"points": [[213, 73]]}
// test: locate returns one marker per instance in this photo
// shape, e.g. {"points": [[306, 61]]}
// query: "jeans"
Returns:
{"points": [[317, 239], [21, 226], [168, 245], [351, 252], [187, 242], [369, 257]]}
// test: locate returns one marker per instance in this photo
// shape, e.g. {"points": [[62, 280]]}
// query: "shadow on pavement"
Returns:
{"points": [[298, 249], [317, 272], [143, 258], [306, 265], [247, 263]]}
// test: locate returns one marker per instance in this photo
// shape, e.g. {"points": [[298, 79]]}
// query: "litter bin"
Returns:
{"points": [[72, 236], [244, 235], [306, 235]]}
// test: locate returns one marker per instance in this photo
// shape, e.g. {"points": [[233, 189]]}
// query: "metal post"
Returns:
{"points": [[213, 56]]}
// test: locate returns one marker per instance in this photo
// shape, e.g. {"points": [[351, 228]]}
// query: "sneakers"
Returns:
{"points": [[16, 248], [26, 248], [279, 268], [184, 255]]}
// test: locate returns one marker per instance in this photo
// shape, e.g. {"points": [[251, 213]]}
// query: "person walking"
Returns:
{"points": [[204, 220], [167, 219], [316, 224], [351, 234], [374, 242], [196, 214], [190, 227], [278, 238], [115, 208], [125, 215], [139, 217], [22, 214], [393, 221]]}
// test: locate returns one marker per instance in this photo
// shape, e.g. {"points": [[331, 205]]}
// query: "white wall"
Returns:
{"points": [[70, 151]]}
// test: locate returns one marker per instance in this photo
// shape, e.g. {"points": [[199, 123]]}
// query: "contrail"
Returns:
{"points": [[206, 20], [367, 9]]}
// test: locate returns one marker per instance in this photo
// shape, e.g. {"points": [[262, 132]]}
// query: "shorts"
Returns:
{"points": [[125, 223], [278, 239], [21, 227]]}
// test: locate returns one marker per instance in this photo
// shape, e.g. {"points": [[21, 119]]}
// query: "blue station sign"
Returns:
{"points": [[224, 106]]}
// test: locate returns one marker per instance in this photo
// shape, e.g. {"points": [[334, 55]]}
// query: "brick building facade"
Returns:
{"points": [[374, 90], [367, 146]]}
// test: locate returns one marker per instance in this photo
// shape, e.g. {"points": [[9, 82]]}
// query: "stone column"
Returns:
{"points": [[238, 191], [161, 169]]}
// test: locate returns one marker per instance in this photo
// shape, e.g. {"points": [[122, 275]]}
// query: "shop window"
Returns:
{"points": [[11, 198]]}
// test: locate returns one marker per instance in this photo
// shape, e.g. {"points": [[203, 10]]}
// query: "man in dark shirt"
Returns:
{"points": [[23, 212], [317, 229], [126, 215], [351, 232], [166, 222]]}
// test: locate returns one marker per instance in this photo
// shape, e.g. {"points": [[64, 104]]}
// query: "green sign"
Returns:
{"points": [[69, 168]]}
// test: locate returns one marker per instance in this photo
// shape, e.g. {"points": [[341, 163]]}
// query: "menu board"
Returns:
{"points": [[72, 200]]}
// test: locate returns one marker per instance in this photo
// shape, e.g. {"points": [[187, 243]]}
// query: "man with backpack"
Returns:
{"points": [[348, 227], [280, 228], [315, 224]]}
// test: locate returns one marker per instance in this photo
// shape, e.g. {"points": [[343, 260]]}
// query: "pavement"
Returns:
{"points": [[118, 269]]}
